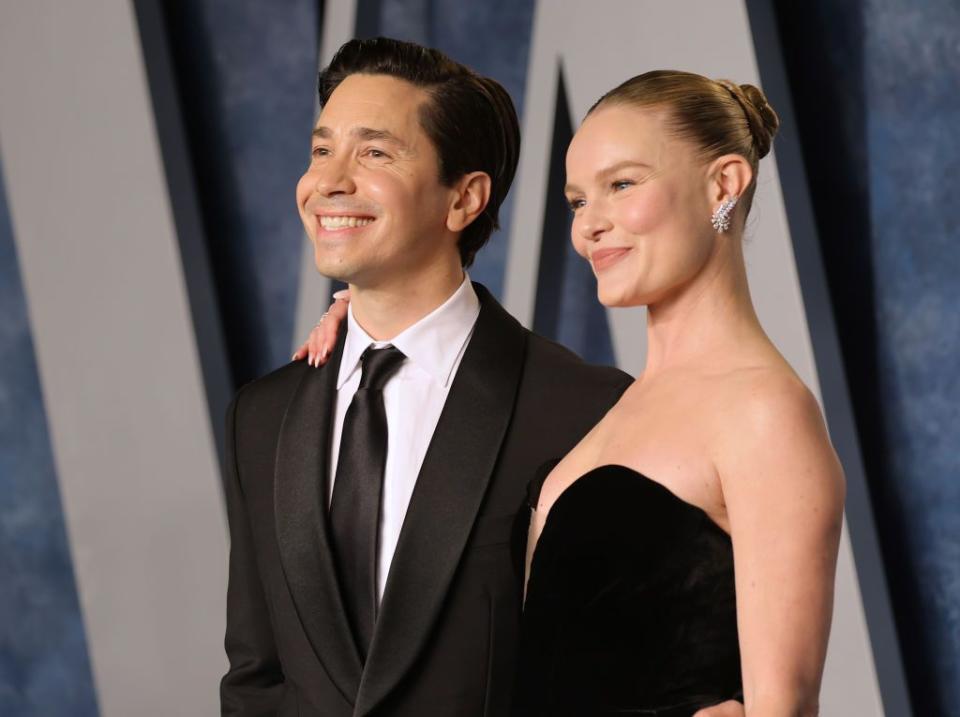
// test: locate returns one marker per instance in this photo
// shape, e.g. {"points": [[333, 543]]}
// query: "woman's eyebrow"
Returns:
{"points": [[608, 171], [619, 166]]}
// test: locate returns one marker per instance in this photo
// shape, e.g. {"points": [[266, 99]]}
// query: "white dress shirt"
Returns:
{"points": [[413, 399]]}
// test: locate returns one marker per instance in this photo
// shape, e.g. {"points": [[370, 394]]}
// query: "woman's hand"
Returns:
{"points": [[730, 708], [316, 349]]}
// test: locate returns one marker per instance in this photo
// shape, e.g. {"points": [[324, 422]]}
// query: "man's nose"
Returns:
{"points": [[335, 177]]}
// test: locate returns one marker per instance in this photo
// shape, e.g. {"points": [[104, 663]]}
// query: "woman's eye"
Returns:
{"points": [[575, 204], [621, 184]]}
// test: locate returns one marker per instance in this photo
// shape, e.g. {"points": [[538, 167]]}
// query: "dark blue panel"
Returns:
{"points": [[876, 85], [583, 326], [567, 309], [247, 76], [913, 95], [185, 205], [555, 254], [44, 668]]}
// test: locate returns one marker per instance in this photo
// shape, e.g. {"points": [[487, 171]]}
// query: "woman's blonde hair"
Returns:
{"points": [[718, 116]]}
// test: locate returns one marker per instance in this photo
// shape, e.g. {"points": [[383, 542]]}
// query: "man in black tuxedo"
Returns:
{"points": [[376, 504]]}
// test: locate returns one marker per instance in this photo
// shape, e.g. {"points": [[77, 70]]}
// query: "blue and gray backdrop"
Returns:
{"points": [[153, 261]]}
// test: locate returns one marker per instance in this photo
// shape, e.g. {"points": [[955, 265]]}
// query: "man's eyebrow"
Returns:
{"points": [[368, 133], [364, 133]]}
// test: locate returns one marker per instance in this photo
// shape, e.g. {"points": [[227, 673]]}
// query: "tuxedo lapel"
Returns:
{"points": [[300, 501], [447, 497]]}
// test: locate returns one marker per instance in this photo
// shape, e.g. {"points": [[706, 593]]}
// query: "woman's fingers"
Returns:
{"points": [[318, 343], [302, 352], [341, 303], [323, 337]]}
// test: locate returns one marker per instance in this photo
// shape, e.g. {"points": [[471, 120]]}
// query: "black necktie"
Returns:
{"points": [[355, 506]]}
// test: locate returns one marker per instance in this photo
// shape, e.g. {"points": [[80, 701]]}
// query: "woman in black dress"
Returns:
{"points": [[681, 558]]}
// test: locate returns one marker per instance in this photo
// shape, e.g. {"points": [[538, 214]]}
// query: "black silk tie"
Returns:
{"points": [[355, 506]]}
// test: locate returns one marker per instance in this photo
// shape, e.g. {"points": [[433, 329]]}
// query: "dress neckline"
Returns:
{"points": [[657, 485], [548, 467]]}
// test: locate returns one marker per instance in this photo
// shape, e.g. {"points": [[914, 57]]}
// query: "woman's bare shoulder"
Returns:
{"points": [[770, 394], [773, 427]]}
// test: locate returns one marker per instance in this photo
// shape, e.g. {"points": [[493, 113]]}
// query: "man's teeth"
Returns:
{"points": [[344, 222]]}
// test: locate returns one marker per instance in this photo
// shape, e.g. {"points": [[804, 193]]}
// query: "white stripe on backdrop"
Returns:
{"points": [[117, 355]]}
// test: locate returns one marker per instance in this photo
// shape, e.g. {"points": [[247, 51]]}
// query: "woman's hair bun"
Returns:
{"points": [[769, 120], [761, 117]]}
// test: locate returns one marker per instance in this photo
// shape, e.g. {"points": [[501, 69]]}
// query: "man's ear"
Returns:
{"points": [[471, 194], [730, 175]]}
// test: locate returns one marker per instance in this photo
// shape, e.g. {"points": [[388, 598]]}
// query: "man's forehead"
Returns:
{"points": [[377, 92], [373, 101], [393, 130]]}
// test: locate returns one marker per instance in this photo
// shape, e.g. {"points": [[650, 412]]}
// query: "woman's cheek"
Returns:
{"points": [[579, 243], [642, 217]]}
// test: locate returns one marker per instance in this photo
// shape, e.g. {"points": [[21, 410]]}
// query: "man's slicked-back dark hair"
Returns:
{"points": [[470, 119]]}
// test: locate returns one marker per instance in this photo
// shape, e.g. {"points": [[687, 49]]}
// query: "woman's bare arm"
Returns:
{"points": [[784, 490]]}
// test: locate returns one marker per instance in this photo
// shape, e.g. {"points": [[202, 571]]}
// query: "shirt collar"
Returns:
{"points": [[433, 343]]}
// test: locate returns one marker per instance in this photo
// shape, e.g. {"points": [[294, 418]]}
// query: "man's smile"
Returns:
{"points": [[336, 222]]}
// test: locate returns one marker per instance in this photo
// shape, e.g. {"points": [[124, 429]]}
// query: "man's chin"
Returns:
{"points": [[334, 269], [343, 278]]}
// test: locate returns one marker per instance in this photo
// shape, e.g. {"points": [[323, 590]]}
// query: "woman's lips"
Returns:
{"points": [[605, 258]]}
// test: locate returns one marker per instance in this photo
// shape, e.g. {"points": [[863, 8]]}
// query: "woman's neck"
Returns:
{"points": [[707, 318]]}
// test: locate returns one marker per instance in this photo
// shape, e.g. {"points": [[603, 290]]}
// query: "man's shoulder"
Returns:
{"points": [[560, 363], [274, 388], [546, 357]]}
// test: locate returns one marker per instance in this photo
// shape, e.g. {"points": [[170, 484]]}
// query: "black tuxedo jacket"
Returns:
{"points": [[447, 630]]}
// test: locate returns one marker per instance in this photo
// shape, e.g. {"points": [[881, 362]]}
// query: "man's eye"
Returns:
{"points": [[376, 153], [319, 152]]}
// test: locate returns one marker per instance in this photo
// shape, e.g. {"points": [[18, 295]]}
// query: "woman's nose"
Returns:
{"points": [[593, 223]]}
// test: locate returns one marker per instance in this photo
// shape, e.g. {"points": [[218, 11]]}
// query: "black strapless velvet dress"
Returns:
{"points": [[630, 606]]}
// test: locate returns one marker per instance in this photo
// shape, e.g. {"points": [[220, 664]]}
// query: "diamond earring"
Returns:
{"points": [[721, 215]]}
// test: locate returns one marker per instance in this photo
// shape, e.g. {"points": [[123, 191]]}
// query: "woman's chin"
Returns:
{"points": [[617, 297]]}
